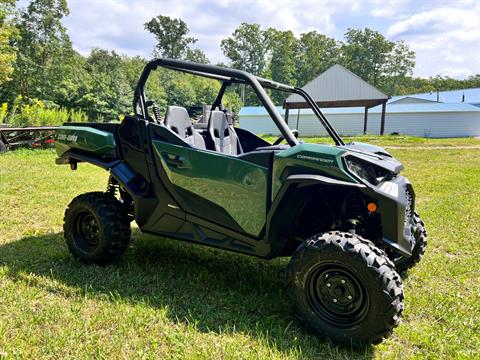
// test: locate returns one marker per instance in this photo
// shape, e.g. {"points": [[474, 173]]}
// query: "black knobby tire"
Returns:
{"points": [[96, 228], [345, 288], [420, 234], [3, 147]]}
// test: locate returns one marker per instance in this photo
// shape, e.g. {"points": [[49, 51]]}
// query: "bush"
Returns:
{"points": [[3, 112], [39, 113]]}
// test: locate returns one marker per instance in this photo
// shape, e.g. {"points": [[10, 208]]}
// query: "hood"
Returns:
{"points": [[374, 154]]}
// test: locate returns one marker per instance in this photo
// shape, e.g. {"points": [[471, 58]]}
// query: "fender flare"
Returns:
{"points": [[304, 180], [288, 189], [119, 170]]}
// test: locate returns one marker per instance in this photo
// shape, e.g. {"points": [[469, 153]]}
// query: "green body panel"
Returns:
{"points": [[312, 159], [237, 186], [83, 138]]}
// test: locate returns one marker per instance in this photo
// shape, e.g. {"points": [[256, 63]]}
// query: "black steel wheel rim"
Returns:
{"points": [[87, 234], [337, 295]]}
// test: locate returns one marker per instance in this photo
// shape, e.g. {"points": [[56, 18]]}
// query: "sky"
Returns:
{"points": [[444, 34]]}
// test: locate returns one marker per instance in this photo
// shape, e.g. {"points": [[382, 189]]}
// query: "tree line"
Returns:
{"points": [[39, 66]]}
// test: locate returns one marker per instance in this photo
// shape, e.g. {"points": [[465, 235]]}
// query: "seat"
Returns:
{"points": [[223, 134], [178, 120]]}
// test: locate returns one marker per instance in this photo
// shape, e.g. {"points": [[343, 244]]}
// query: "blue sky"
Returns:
{"points": [[444, 34]]}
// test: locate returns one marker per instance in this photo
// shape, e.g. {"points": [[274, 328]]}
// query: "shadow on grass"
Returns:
{"points": [[215, 290]]}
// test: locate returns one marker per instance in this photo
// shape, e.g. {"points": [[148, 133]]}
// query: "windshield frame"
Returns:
{"points": [[230, 76]]}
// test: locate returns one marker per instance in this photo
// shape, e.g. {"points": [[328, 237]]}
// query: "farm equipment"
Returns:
{"points": [[31, 136], [342, 212]]}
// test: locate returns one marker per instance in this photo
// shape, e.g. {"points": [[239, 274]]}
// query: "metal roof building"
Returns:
{"points": [[424, 119], [339, 87], [467, 96], [346, 100]]}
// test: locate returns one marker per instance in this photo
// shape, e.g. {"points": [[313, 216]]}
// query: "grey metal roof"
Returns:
{"points": [[408, 100], [469, 96], [338, 84]]}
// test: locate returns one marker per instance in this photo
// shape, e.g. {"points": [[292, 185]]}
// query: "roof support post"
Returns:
{"points": [[382, 123], [365, 121], [287, 111]]}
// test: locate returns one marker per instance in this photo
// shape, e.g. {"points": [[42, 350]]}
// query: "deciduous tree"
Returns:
{"points": [[45, 55], [8, 33], [171, 35], [247, 50], [400, 63], [317, 53], [283, 61], [366, 52]]}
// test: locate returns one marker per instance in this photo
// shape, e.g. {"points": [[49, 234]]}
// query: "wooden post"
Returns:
{"points": [[298, 119], [365, 120], [286, 114], [382, 124]]}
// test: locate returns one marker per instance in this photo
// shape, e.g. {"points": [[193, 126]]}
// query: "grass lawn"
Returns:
{"points": [[177, 300]]}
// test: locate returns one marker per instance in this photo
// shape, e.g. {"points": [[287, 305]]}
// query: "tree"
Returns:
{"points": [[8, 33], [400, 63], [172, 37], [366, 53], [131, 68], [105, 92], [247, 50], [45, 55], [284, 52], [473, 81], [197, 55], [317, 53]]}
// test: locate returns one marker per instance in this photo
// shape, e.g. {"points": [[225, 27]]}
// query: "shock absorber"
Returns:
{"points": [[112, 186], [352, 211], [156, 113]]}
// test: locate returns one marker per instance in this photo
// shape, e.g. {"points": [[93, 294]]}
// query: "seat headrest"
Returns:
{"points": [[177, 116], [218, 121]]}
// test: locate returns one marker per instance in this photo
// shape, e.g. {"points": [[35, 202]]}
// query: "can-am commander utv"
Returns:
{"points": [[213, 184]]}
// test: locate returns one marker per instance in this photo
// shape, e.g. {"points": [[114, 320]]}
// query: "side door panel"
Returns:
{"points": [[240, 188]]}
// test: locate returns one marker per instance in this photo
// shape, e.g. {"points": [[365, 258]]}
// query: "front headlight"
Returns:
{"points": [[367, 171]]}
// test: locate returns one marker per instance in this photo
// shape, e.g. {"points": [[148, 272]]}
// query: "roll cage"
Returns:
{"points": [[232, 76]]}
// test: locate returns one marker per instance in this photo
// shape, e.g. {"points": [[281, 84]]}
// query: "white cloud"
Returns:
{"points": [[387, 10], [458, 24], [456, 72], [446, 39]]}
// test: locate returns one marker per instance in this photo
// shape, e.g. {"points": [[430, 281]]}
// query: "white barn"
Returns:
{"points": [[339, 87], [348, 102], [416, 119]]}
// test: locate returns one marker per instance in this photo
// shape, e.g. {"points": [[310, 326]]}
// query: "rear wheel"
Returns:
{"points": [[96, 228], [346, 289]]}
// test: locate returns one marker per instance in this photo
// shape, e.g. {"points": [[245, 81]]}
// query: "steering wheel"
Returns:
{"points": [[281, 137]]}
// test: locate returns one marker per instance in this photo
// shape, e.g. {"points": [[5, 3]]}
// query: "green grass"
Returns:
{"points": [[177, 300], [394, 141]]}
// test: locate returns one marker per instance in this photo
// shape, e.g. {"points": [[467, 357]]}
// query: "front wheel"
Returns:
{"points": [[96, 228], [420, 237], [346, 289]]}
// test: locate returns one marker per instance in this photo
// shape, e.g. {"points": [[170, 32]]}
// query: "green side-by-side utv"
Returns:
{"points": [[342, 212]]}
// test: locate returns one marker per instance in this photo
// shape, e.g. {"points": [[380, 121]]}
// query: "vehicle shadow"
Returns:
{"points": [[216, 290]]}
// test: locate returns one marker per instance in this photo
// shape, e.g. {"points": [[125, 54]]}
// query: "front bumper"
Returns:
{"points": [[396, 205]]}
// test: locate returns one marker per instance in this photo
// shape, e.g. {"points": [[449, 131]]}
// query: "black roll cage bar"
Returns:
{"points": [[232, 76]]}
